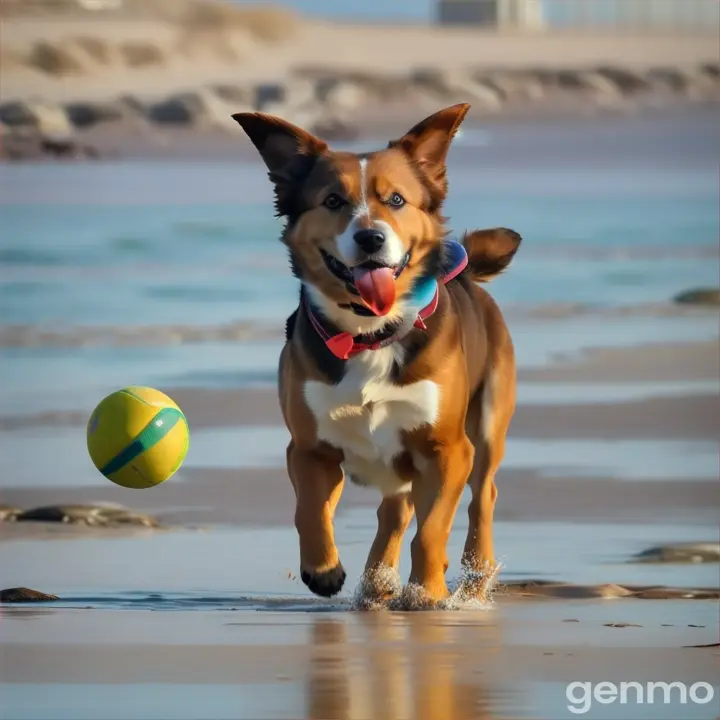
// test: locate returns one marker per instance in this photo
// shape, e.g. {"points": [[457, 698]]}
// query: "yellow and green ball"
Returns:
{"points": [[137, 437]]}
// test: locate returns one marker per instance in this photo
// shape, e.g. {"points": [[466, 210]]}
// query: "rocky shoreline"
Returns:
{"points": [[339, 105]]}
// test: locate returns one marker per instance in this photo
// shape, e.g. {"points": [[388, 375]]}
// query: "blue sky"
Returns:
{"points": [[555, 10], [416, 10]]}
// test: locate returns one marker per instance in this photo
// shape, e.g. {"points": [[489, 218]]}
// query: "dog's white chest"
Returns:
{"points": [[364, 414]]}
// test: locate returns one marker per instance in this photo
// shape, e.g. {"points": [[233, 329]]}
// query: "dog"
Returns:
{"points": [[398, 370]]}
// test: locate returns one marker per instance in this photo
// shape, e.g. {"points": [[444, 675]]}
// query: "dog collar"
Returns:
{"points": [[425, 294]]}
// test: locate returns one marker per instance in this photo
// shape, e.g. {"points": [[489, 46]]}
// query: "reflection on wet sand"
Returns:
{"points": [[401, 668]]}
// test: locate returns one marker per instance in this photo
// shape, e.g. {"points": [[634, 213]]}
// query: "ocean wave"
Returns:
{"points": [[207, 231], [19, 336], [24, 256], [24, 336], [199, 294]]}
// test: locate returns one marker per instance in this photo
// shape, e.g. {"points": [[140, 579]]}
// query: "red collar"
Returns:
{"points": [[344, 346]]}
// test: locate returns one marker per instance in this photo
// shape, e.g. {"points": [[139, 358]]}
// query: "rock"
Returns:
{"points": [[8, 513], [621, 625], [458, 86], [604, 88], [303, 116], [681, 553], [49, 120], [21, 144], [711, 70], [665, 593], [571, 80], [511, 85], [176, 110], [52, 121], [217, 111], [309, 84], [233, 94], [699, 296], [200, 108], [293, 98], [88, 114], [432, 79], [92, 515], [269, 94], [704, 82], [626, 81], [132, 104], [16, 114], [25, 595], [486, 93], [344, 96], [30, 144], [668, 79], [333, 129]]}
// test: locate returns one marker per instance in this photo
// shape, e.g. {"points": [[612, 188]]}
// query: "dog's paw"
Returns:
{"points": [[327, 583], [415, 597], [377, 587]]}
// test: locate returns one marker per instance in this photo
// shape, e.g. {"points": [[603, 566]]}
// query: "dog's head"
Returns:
{"points": [[360, 228]]}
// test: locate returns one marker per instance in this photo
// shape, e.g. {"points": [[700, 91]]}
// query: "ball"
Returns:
{"points": [[137, 437]]}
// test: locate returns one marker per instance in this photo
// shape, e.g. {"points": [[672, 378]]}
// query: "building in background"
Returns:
{"points": [[582, 14], [517, 14]]}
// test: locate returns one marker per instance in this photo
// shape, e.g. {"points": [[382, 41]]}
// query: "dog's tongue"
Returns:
{"points": [[376, 287]]}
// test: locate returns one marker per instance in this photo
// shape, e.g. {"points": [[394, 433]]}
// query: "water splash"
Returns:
{"points": [[377, 587], [381, 588]]}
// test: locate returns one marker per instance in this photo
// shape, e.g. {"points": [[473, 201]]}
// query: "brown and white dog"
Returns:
{"points": [[415, 401]]}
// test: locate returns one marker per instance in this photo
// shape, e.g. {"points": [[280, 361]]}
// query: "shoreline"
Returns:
{"points": [[151, 82], [201, 134], [263, 495], [46, 336]]}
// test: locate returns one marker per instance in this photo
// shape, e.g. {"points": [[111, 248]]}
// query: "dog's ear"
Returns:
{"points": [[279, 143], [428, 143], [490, 252]]}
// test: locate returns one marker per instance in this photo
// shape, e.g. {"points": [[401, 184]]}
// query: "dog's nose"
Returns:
{"points": [[369, 240]]}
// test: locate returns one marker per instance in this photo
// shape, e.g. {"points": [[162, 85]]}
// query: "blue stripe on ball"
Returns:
{"points": [[148, 437]]}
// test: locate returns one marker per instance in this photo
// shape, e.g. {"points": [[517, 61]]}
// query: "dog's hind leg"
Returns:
{"points": [[488, 419]]}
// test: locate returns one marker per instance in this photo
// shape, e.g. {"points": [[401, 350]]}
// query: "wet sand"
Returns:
{"points": [[329, 666], [207, 617], [626, 398]]}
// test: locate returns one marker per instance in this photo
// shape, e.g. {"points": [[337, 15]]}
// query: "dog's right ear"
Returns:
{"points": [[279, 142]]}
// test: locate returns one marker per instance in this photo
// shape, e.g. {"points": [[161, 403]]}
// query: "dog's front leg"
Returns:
{"points": [[317, 478], [394, 516], [436, 496]]}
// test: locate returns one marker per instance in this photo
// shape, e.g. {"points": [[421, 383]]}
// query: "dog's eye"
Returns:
{"points": [[396, 200], [333, 202]]}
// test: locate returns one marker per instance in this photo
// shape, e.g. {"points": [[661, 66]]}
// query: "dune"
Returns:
{"points": [[193, 63]]}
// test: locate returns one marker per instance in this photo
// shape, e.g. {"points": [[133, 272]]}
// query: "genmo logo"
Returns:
{"points": [[582, 695]]}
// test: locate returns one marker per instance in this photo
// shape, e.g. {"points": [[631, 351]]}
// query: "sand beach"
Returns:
{"points": [[161, 78], [156, 262]]}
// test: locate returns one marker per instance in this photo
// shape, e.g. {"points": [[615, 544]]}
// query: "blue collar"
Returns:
{"points": [[454, 261]]}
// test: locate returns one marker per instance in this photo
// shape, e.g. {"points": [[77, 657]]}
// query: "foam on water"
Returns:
{"points": [[381, 588]]}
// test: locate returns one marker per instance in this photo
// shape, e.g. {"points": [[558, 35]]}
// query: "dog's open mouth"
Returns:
{"points": [[372, 281]]}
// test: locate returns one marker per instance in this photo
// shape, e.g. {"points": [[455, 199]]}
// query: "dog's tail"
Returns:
{"points": [[490, 252]]}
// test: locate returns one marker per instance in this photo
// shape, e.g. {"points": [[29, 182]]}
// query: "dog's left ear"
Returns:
{"points": [[490, 252], [428, 143], [279, 142]]}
